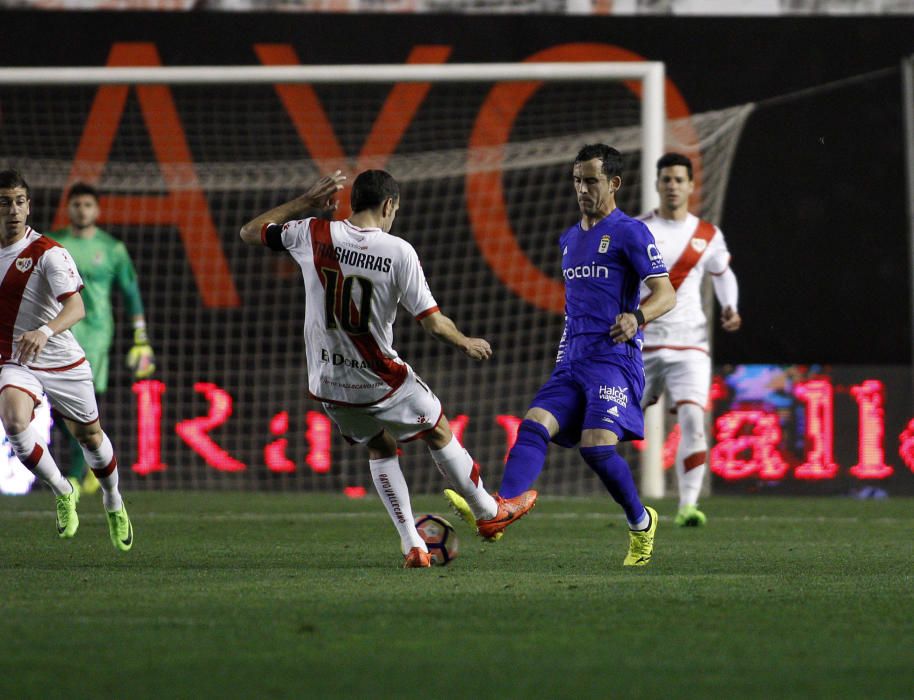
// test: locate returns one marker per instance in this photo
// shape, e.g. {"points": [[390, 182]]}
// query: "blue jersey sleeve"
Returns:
{"points": [[643, 253]]}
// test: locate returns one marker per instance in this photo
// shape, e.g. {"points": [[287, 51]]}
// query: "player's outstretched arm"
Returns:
{"points": [[320, 195], [441, 327]]}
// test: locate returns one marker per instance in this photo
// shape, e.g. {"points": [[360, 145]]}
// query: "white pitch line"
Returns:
{"points": [[311, 517]]}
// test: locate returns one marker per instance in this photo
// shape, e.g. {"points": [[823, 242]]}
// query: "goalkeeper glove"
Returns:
{"points": [[141, 359]]}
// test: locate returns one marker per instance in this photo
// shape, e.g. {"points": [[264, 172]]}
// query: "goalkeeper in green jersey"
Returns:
{"points": [[102, 261]]}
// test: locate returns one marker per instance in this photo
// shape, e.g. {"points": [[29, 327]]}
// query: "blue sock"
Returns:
{"points": [[525, 460], [616, 477]]}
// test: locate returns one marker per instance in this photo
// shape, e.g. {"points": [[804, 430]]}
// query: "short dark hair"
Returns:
{"points": [[11, 179], [371, 189], [612, 159], [668, 160], [81, 188]]}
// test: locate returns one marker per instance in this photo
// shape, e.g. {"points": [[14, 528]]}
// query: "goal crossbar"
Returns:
{"points": [[652, 71]]}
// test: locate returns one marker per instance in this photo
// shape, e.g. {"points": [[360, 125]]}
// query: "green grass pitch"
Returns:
{"points": [[278, 595]]}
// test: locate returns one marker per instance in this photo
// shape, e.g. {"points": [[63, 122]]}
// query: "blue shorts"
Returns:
{"points": [[594, 394]]}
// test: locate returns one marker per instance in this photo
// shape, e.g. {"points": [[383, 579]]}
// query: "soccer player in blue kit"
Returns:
{"points": [[593, 397]]}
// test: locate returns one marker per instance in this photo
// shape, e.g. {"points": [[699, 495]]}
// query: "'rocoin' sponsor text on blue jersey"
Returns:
{"points": [[603, 269]]}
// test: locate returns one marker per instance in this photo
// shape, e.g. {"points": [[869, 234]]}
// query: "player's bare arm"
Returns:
{"points": [[443, 328], [321, 196], [31, 343], [661, 300]]}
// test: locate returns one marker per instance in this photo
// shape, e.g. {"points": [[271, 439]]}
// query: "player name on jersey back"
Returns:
{"points": [[357, 258]]}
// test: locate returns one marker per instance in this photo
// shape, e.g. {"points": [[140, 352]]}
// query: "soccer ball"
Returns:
{"points": [[440, 538]]}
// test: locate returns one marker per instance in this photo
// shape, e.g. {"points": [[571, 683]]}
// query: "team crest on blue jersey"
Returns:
{"points": [[604, 244]]}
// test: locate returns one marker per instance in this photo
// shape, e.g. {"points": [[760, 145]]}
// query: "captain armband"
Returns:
{"points": [[271, 235]]}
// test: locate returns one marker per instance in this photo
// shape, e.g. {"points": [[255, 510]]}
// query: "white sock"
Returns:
{"points": [[388, 480], [35, 455], [691, 455], [459, 468], [103, 464], [642, 524]]}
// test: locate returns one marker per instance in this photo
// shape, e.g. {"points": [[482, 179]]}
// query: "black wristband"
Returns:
{"points": [[639, 314]]}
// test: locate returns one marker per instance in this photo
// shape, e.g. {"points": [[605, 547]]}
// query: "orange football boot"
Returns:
{"points": [[417, 559], [509, 510]]}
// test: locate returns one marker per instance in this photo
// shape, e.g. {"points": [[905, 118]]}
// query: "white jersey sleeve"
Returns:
{"points": [[718, 257], [60, 272], [726, 289], [416, 297], [296, 236]]}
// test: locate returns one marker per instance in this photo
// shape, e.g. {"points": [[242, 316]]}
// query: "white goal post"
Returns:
{"points": [[650, 136], [907, 93]]}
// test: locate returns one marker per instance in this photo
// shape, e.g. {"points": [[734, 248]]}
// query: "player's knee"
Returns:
{"points": [[440, 436], [598, 437], [382, 446], [544, 418], [15, 415], [89, 435], [13, 424]]}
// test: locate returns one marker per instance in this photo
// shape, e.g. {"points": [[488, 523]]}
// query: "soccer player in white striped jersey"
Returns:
{"points": [[676, 350], [39, 302], [356, 274]]}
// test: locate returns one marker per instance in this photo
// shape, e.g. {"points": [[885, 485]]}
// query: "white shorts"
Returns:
{"points": [[70, 391], [411, 410], [685, 374]]}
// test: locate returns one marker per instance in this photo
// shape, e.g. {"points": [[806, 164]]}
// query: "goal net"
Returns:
{"points": [[183, 157]]}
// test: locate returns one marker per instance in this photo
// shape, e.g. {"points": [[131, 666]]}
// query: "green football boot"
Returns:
{"points": [[461, 507], [67, 519], [641, 543], [120, 529], [690, 516]]}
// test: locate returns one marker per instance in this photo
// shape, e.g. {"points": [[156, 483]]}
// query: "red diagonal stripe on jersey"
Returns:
{"points": [[393, 373], [12, 288], [691, 255]]}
